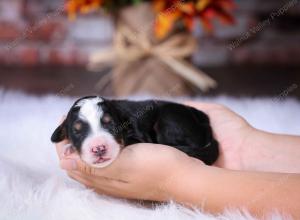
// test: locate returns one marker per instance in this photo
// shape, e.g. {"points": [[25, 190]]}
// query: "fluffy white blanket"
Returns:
{"points": [[32, 187]]}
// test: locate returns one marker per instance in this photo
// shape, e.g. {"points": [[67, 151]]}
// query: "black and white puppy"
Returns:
{"points": [[99, 128]]}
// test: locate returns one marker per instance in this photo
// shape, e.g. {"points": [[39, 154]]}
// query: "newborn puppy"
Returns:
{"points": [[99, 128]]}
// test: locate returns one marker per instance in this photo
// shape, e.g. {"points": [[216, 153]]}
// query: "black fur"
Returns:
{"points": [[161, 122]]}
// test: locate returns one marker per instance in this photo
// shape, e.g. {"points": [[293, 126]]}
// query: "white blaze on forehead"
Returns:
{"points": [[95, 100], [91, 112]]}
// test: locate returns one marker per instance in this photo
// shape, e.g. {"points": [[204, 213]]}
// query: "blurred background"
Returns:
{"points": [[43, 52]]}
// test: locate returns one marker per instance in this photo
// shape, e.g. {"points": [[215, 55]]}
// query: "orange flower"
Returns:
{"points": [[164, 23], [82, 6], [172, 11], [169, 12]]}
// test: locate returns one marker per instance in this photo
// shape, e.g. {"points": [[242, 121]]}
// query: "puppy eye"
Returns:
{"points": [[77, 127], [106, 119]]}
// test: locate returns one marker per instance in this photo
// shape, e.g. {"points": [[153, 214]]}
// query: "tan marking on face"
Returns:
{"points": [[106, 118], [78, 126]]}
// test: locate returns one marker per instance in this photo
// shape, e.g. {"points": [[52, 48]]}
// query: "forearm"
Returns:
{"points": [[215, 189], [272, 152]]}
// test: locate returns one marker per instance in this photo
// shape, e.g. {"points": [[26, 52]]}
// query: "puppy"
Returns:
{"points": [[98, 129]]}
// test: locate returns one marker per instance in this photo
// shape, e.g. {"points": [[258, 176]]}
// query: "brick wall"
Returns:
{"points": [[37, 32]]}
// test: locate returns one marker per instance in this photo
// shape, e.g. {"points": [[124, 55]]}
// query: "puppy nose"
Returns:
{"points": [[99, 150]]}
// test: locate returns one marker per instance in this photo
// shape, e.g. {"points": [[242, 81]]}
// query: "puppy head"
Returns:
{"points": [[90, 126]]}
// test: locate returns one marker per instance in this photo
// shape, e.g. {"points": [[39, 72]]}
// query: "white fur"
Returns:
{"points": [[33, 187], [91, 101], [108, 140], [92, 113]]}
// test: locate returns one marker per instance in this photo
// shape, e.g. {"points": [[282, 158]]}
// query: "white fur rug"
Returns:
{"points": [[32, 187]]}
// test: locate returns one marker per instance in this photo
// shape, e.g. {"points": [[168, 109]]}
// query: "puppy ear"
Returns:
{"points": [[60, 133]]}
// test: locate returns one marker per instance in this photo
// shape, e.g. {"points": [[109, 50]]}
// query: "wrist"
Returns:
{"points": [[253, 151], [272, 153], [199, 187], [186, 181]]}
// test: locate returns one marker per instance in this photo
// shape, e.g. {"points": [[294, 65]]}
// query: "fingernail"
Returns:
{"points": [[68, 165]]}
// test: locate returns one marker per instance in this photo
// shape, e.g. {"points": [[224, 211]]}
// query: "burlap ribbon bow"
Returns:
{"points": [[130, 47]]}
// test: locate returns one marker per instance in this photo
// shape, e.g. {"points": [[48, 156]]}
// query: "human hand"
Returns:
{"points": [[232, 132], [141, 171], [144, 171]]}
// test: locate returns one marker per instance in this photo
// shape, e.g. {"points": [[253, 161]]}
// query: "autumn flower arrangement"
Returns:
{"points": [[167, 38]]}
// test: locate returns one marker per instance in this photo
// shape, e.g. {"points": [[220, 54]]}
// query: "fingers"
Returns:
{"points": [[74, 163], [67, 161], [85, 169], [205, 107], [99, 181], [60, 148], [115, 171], [101, 185], [90, 184], [68, 164]]}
